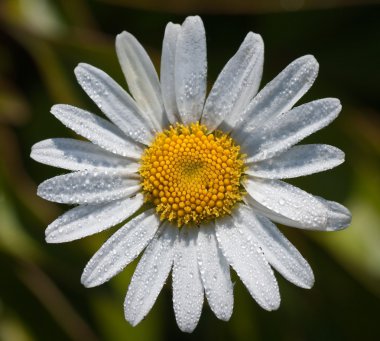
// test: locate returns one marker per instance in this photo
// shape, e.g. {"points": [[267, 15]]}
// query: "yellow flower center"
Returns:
{"points": [[191, 176]]}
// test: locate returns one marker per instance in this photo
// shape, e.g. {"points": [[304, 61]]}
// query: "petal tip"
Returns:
{"points": [[50, 239], [308, 285], [82, 68], [52, 236], [225, 316], [121, 35], [272, 306], [194, 21], [132, 318], [309, 58], [171, 25], [33, 151], [40, 190], [334, 102], [132, 322], [252, 36], [186, 329], [338, 216], [308, 281], [345, 221], [343, 224], [329, 105], [79, 67], [311, 64], [129, 316], [342, 156], [56, 109], [87, 282], [124, 36], [193, 18]]}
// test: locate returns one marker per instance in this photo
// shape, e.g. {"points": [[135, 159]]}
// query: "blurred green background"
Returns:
{"points": [[41, 41]]}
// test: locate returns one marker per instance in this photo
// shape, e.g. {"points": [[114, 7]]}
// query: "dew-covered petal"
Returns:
{"points": [[167, 71], [191, 70], [338, 216], [298, 161], [248, 260], [97, 130], [285, 200], [236, 85], [150, 274], [89, 187], [215, 273], [85, 220], [279, 95], [276, 217], [289, 128], [187, 284], [141, 77], [278, 251], [289, 205], [78, 155], [115, 103], [120, 249]]}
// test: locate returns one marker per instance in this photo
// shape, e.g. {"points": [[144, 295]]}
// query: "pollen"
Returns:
{"points": [[191, 176]]}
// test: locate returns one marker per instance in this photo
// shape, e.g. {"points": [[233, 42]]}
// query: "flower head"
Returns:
{"points": [[203, 174]]}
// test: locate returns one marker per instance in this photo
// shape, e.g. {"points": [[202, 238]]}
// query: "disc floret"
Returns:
{"points": [[192, 176]]}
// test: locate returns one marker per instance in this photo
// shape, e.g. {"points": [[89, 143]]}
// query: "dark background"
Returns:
{"points": [[41, 42]]}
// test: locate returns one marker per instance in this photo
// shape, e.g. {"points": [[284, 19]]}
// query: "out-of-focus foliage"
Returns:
{"points": [[236, 6], [41, 41]]}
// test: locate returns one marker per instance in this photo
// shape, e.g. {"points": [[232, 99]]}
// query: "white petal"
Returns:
{"points": [[291, 127], [279, 95], [288, 201], [298, 161], [115, 103], [276, 217], [215, 273], [97, 130], [338, 216], [89, 187], [187, 284], [85, 220], [78, 155], [278, 251], [167, 71], [121, 249], [246, 257], [191, 70], [150, 274], [236, 85], [141, 77]]}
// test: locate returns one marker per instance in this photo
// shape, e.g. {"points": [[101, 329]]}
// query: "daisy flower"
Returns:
{"points": [[200, 177]]}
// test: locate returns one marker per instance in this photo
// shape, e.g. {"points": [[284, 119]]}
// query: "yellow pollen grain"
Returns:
{"points": [[191, 176]]}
